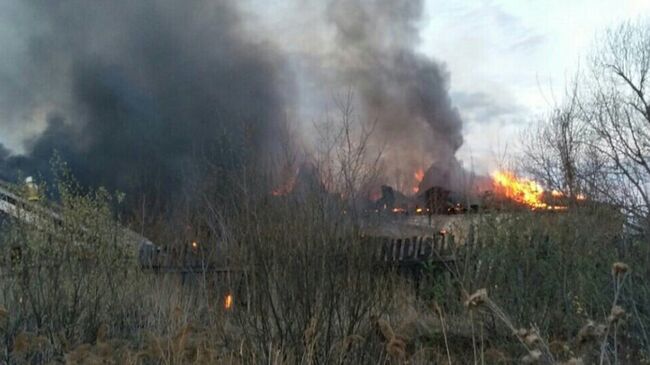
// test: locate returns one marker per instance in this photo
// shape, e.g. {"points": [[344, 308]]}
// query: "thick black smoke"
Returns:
{"points": [[139, 95], [404, 90], [142, 95]]}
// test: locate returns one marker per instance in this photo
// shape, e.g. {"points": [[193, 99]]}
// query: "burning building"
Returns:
{"points": [[175, 95], [503, 190]]}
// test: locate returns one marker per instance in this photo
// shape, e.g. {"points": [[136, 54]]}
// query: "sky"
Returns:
{"points": [[509, 61]]}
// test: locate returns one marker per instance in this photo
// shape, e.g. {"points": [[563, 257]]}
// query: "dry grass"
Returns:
{"points": [[541, 289]]}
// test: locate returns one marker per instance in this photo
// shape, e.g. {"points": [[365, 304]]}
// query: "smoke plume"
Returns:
{"points": [[404, 91], [141, 95], [136, 95]]}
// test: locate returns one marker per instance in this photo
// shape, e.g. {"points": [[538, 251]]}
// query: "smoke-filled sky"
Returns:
{"points": [[134, 93], [507, 59]]}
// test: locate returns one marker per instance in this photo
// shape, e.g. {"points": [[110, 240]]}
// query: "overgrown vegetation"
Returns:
{"points": [[526, 286], [530, 285]]}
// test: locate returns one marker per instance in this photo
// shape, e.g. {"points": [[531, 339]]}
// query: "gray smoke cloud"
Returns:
{"points": [[137, 95], [405, 91]]}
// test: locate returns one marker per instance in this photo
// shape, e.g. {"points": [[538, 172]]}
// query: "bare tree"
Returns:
{"points": [[597, 141], [346, 157], [617, 110], [555, 150]]}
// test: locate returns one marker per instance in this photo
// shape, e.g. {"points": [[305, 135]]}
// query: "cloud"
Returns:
{"points": [[509, 31], [528, 42], [483, 108]]}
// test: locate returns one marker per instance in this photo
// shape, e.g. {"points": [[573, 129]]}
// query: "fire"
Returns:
{"points": [[418, 175], [286, 187], [227, 301], [521, 190]]}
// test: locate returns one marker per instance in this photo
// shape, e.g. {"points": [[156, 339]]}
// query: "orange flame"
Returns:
{"points": [[227, 301], [286, 187], [521, 190], [419, 175]]}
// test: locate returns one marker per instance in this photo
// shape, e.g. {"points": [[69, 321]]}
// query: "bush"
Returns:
{"points": [[66, 273]]}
